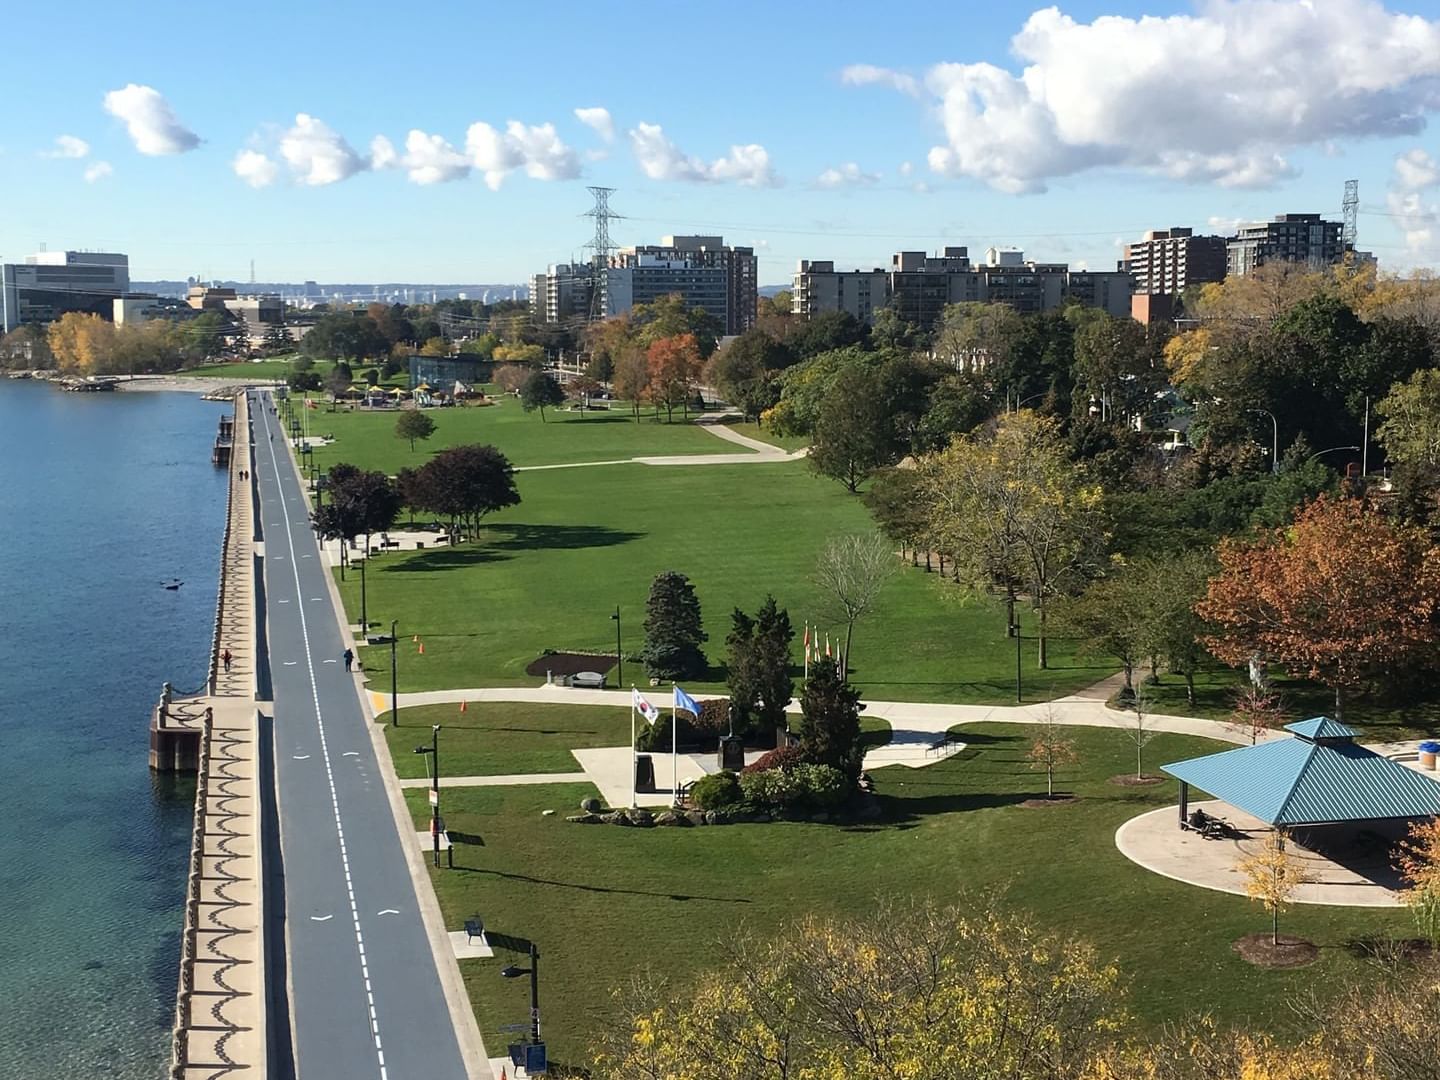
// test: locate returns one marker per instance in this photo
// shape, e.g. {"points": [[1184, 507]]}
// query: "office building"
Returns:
{"points": [[256, 314], [1166, 261], [919, 286], [1294, 238], [49, 284]]}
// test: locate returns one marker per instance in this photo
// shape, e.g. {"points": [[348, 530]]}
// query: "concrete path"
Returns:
{"points": [[365, 986]]}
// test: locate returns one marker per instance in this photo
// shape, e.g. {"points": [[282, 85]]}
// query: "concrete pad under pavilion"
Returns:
{"points": [[1349, 863]]}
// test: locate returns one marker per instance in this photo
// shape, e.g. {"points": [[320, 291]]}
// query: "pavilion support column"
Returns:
{"points": [[1184, 802]]}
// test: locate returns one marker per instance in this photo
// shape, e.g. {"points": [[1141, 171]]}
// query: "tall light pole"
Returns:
{"points": [[1274, 439], [364, 614], [1330, 450], [394, 696], [619, 651], [434, 751], [513, 972], [1014, 629]]}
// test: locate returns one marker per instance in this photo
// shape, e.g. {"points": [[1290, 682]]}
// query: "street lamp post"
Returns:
{"points": [[364, 613], [513, 972], [1274, 439], [1330, 450], [619, 651], [1014, 629], [434, 751], [394, 696]]}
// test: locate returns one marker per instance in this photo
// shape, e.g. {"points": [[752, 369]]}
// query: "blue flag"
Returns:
{"points": [[686, 702]]}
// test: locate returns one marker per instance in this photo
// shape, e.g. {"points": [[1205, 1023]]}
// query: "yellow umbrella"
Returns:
{"points": [[398, 392], [423, 386]]}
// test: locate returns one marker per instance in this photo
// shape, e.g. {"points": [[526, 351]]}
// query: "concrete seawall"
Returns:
{"points": [[221, 1005]]}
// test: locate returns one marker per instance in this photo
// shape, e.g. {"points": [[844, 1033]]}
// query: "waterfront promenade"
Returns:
{"points": [[374, 990]]}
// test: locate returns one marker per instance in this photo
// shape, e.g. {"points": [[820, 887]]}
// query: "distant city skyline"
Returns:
{"points": [[365, 149]]}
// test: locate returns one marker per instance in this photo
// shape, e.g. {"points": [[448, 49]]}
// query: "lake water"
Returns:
{"points": [[102, 498]]}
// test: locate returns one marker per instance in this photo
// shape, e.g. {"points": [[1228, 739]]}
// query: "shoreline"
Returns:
{"points": [[183, 384]]}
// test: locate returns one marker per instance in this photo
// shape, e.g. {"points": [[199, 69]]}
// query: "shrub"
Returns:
{"points": [[716, 790], [802, 786], [772, 789], [823, 786], [780, 758]]}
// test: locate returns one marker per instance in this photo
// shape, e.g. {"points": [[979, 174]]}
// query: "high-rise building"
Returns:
{"points": [[690, 253], [919, 286], [562, 293], [49, 284], [640, 278], [1166, 261], [1292, 238]]}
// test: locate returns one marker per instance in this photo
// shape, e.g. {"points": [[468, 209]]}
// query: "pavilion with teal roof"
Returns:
{"points": [[1322, 776]]}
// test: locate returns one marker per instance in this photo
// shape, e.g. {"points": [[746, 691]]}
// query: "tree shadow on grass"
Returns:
{"points": [[443, 558], [515, 536], [899, 809], [602, 888]]}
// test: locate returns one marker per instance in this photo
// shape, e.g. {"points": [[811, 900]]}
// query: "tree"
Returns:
{"points": [[852, 434], [344, 335], [413, 424], [745, 371], [957, 405], [1419, 863], [674, 366], [1171, 584], [911, 991], [894, 499], [674, 630], [1341, 596], [632, 378], [435, 346], [511, 377], [1139, 727], [1256, 709], [829, 727], [534, 355], [1272, 875], [1110, 618], [462, 484], [80, 342], [1012, 510], [1410, 421], [539, 390], [1050, 749], [851, 572], [26, 348], [758, 665], [482, 347], [205, 335], [979, 336], [669, 317], [358, 503]]}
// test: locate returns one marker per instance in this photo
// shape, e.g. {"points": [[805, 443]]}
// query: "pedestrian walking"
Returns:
{"points": [[349, 658], [225, 659]]}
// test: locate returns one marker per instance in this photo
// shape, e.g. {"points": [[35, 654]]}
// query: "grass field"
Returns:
{"points": [[755, 431], [368, 439], [603, 901], [262, 369], [551, 571]]}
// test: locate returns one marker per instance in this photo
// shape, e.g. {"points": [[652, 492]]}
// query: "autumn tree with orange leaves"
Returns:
{"points": [[1339, 597], [674, 367]]}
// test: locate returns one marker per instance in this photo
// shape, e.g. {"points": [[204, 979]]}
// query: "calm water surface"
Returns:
{"points": [[102, 497]]}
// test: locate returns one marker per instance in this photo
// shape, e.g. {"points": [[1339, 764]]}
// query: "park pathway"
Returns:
{"points": [[758, 452], [916, 726]]}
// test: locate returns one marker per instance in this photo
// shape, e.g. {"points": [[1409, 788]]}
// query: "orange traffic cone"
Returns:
{"points": [[422, 648], [462, 706], [502, 1073]]}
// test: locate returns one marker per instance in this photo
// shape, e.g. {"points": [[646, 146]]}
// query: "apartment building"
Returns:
{"points": [[1166, 261], [1306, 239]]}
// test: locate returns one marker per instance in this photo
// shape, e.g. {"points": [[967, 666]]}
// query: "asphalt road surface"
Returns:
{"points": [[364, 993]]}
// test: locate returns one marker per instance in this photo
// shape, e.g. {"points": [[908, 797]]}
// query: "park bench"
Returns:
{"points": [[588, 680], [942, 746]]}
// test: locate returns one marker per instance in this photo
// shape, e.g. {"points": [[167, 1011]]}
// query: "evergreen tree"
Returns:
{"points": [[771, 663], [673, 629], [740, 670], [830, 726]]}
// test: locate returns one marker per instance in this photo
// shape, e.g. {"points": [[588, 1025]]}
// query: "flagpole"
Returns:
{"points": [[634, 798], [674, 750]]}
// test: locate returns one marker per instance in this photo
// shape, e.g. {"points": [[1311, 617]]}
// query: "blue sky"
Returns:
{"points": [[857, 131]]}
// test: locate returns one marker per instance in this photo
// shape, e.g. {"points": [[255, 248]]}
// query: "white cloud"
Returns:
{"points": [[661, 159], [870, 75], [317, 154], [906, 168], [429, 159], [537, 149], [67, 146], [1223, 225], [153, 126], [1416, 216], [98, 171], [847, 175], [1255, 79], [382, 153], [255, 168], [598, 119]]}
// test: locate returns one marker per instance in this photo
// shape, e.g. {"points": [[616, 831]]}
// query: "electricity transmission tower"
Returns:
{"points": [[601, 247]]}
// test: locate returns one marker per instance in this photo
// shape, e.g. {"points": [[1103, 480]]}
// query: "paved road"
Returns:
{"points": [[365, 995]]}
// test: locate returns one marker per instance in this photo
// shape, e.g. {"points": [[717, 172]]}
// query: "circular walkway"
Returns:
{"points": [[1353, 870]]}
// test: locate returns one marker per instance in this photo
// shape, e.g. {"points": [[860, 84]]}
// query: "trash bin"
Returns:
{"points": [[1428, 750], [644, 773]]}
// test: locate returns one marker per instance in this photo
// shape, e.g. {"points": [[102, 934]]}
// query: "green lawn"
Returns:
{"points": [[367, 439], [494, 738], [263, 369], [1215, 689], [551, 571], [602, 901], [499, 738], [755, 431]]}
